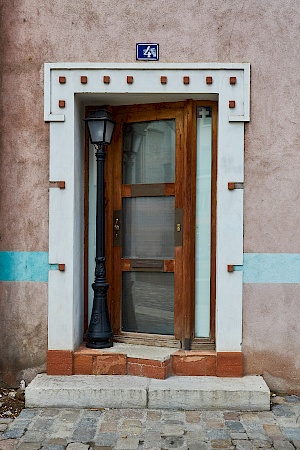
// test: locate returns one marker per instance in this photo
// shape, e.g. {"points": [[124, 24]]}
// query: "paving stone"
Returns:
{"points": [[5, 420], [154, 415], [53, 447], [193, 437], [57, 441], [108, 439], [282, 410], [49, 412], [13, 433], [69, 415], [97, 447], [28, 413], [77, 446], [192, 416], [239, 436], [283, 445], [243, 445], [235, 426], [172, 430], [220, 444], [292, 398], [35, 436], [29, 446], [9, 444], [169, 442], [291, 433], [130, 443], [216, 435], [3, 426], [109, 426], [200, 446]]}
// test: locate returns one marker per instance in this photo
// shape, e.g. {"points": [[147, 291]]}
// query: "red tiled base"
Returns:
{"points": [[229, 364], [59, 362], [194, 363], [149, 368], [86, 361]]}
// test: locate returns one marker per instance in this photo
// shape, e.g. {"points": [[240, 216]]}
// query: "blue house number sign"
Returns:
{"points": [[147, 52]]}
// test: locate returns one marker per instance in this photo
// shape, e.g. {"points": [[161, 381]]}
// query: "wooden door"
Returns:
{"points": [[150, 192]]}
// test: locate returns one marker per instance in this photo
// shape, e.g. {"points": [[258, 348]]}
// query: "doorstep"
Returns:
{"points": [[144, 361], [249, 393]]}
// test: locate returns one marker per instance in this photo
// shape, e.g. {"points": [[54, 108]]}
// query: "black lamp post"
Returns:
{"points": [[101, 127]]}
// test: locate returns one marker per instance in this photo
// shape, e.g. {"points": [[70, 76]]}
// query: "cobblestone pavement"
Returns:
{"points": [[129, 429]]}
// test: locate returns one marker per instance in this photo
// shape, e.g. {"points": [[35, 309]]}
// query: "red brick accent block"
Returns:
{"points": [[209, 80], [186, 80], [59, 362], [84, 79], [83, 364], [232, 80], [163, 80], [149, 368], [106, 79], [62, 103], [129, 80], [229, 364], [231, 104], [110, 364], [62, 80], [194, 363]]}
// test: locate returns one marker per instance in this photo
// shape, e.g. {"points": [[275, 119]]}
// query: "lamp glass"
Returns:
{"points": [[109, 131], [96, 129]]}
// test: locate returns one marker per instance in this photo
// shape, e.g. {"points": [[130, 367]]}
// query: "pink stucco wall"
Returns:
{"points": [[265, 34]]}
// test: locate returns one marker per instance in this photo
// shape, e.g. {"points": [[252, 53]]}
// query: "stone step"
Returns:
{"points": [[249, 393]]}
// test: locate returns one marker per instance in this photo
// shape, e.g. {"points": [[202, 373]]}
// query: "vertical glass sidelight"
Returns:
{"points": [[203, 222], [149, 152]]}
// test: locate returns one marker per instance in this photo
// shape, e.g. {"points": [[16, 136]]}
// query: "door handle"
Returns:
{"points": [[116, 225]]}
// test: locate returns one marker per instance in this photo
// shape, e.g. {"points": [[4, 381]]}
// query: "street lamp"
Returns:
{"points": [[101, 127]]}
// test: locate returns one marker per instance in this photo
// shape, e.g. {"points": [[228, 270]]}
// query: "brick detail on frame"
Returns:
{"points": [[229, 364], [194, 363], [59, 362]]}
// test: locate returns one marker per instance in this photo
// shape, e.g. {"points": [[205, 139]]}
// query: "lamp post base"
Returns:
{"points": [[99, 333], [98, 345]]}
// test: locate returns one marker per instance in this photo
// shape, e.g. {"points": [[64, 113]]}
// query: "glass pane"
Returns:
{"points": [[149, 152], [148, 227], [147, 302], [203, 223]]}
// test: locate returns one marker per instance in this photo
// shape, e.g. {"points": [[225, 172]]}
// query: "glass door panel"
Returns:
{"points": [[148, 302], [149, 152], [148, 227], [148, 215]]}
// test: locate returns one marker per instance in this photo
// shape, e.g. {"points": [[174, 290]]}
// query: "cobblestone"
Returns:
{"points": [[129, 429]]}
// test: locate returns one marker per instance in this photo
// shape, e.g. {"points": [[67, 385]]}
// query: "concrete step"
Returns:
{"points": [[249, 393]]}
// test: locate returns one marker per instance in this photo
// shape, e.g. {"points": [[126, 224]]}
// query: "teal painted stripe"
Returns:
{"points": [[257, 268], [25, 266], [271, 268]]}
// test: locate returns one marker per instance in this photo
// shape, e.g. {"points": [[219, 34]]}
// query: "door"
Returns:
{"points": [[147, 223], [152, 226]]}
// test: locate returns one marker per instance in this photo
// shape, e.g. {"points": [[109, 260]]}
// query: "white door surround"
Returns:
{"points": [[71, 86]]}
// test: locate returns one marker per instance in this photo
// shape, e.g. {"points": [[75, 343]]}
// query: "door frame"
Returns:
{"points": [[185, 199], [230, 84]]}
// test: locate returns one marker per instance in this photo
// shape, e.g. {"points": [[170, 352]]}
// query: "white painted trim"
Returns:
{"points": [[66, 142]]}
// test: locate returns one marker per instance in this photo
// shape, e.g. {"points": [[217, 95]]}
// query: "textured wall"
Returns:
{"points": [[265, 34]]}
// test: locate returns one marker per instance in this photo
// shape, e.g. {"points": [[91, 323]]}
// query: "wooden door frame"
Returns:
{"points": [[186, 177]]}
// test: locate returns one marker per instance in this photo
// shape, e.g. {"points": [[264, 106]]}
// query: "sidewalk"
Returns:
{"points": [[137, 429]]}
